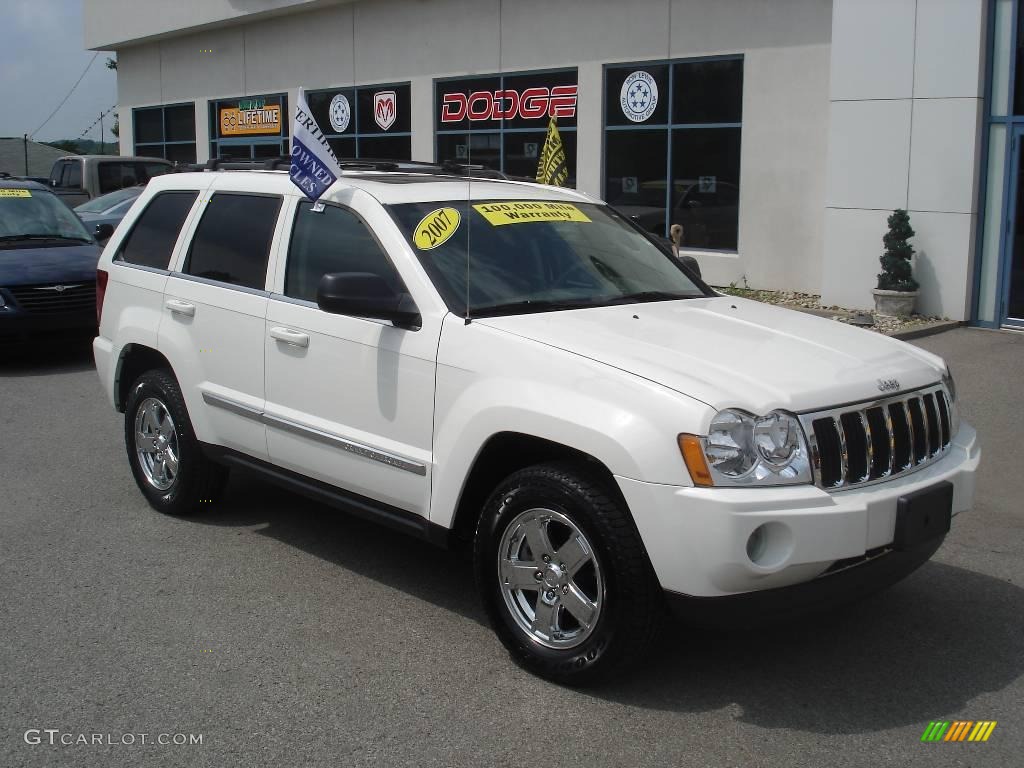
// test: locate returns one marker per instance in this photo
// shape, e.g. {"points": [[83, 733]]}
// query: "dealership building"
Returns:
{"points": [[779, 133]]}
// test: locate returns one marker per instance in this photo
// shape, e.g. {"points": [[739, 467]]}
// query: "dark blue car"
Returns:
{"points": [[47, 264]]}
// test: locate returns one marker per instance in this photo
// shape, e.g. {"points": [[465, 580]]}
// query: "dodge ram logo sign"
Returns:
{"points": [[385, 108], [531, 104]]}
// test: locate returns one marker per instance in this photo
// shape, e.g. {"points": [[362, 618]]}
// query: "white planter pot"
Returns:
{"points": [[894, 303]]}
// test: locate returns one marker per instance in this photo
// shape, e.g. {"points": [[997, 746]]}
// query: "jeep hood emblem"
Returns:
{"points": [[888, 385]]}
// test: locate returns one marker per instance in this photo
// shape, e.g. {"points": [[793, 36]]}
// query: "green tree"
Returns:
{"points": [[68, 145], [896, 272]]}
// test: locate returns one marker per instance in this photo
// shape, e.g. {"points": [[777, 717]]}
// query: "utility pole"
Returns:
{"points": [[101, 134], [24, 142]]}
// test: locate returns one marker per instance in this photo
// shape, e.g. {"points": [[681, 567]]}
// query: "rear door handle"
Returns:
{"points": [[181, 307], [288, 336]]}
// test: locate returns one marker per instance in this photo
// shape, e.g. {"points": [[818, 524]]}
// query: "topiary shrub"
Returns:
{"points": [[896, 273]]}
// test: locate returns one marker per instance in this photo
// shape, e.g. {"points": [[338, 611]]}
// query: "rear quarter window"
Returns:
{"points": [[232, 242], [152, 238]]}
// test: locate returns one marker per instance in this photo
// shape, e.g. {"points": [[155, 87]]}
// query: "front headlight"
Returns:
{"points": [[746, 450], [949, 384], [954, 409]]}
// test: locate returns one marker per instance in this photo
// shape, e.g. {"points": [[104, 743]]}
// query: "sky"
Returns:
{"points": [[43, 55]]}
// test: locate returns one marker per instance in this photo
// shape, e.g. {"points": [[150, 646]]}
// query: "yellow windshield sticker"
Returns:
{"points": [[15, 193], [522, 211], [435, 228]]}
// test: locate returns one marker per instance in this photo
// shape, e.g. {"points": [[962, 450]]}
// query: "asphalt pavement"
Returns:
{"points": [[284, 633]]}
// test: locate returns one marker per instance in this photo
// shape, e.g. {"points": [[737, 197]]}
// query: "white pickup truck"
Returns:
{"points": [[521, 368]]}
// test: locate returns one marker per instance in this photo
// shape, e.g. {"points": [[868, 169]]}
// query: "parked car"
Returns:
{"points": [[102, 214], [527, 373], [47, 264], [77, 178]]}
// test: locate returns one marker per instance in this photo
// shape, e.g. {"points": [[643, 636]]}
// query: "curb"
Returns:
{"points": [[928, 330]]}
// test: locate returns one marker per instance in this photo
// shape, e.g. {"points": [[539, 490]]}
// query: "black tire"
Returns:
{"points": [[633, 604], [198, 481]]}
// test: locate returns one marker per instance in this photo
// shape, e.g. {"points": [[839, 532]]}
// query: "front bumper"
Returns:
{"points": [[16, 323], [697, 538], [831, 590]]}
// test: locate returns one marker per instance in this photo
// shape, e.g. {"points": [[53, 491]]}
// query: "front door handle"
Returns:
{"points": [[181, 307], [288, 336]]}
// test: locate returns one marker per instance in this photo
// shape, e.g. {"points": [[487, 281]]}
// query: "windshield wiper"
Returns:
{"points": [[641, 296], [530, 305], [13, 238]]}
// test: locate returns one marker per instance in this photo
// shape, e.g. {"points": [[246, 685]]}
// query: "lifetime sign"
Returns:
{"points": [[238, 121], [531, 103]]}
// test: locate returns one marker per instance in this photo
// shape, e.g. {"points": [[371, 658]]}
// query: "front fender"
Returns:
{"points": [[489, 382]]}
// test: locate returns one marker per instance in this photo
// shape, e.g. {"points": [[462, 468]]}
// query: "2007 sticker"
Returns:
{"points": [[436, 228], [522, 211]]}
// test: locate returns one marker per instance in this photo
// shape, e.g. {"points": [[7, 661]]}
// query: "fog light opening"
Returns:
{"points": [[770, 545]]}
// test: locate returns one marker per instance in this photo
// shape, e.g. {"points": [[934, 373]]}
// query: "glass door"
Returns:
{"points": [[1013, 263]]}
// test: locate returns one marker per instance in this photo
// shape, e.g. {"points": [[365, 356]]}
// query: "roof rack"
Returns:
{"points": [[283, 163]]}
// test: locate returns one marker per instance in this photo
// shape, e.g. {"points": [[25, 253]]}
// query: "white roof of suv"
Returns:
{"points": [[388, 187]]}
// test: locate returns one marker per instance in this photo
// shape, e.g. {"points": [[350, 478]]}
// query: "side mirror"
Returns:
{"points": [[363, 294], [103, 231]]}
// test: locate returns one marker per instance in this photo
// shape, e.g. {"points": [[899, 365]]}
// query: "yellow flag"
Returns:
{"points": [[552, 168]]}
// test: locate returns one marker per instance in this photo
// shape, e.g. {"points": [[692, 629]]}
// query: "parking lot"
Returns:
{"points": [[289, 634]]}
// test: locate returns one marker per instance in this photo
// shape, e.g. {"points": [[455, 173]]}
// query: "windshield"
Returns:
{"points": [[535, 255], [37, 214], [104, 203]]}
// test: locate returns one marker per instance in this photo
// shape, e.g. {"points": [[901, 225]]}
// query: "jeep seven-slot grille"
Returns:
{"points": [[854, 445], [47, 299]]}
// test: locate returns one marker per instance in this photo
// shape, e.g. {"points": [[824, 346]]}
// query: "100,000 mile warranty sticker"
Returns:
{"points": [[522, 211]]}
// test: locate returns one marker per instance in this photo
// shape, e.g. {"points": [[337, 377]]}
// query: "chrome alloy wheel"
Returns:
{"points": [[550, 578], [156, 443]]}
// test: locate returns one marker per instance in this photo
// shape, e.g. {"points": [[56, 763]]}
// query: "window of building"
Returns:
{"points": [[152, 239], [232, 241], [166, 131], [501, 121], [249, 127], [369, 121], [332, 240], [672, 147]]}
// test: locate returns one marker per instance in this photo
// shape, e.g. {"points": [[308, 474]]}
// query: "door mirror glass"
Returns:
{"points": [[363, 294]]}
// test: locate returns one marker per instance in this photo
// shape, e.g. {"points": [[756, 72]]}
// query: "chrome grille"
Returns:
{"points": [[46, 299], [869, 442]]}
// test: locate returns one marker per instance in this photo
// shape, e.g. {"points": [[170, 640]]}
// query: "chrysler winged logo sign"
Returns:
{"points": [[888, 385], [57, 288]]}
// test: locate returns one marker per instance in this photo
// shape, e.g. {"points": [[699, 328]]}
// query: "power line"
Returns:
{"points": [[92, 125], [68, 96]]}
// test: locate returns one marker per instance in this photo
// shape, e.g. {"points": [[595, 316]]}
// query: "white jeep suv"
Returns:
{"points": [[520, 367]]}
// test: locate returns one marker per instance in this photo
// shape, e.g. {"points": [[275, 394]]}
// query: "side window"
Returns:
{"points": [[57, 173], [152, 239], [334, 240], [73, 175], [146, 171], [114, 176], [232, 241]]}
